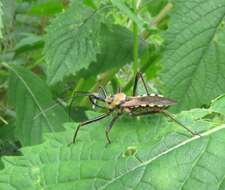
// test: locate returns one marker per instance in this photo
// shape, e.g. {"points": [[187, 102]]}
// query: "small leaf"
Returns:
{"points": [[31, 98], [72, 41], [123, 8], [194, 67], [46, 8]]}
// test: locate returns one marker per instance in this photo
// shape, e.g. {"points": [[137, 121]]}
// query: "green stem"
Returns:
{"points": [[135, 45], [3, 120], [78, 85], [143, 68], [162, 14]]}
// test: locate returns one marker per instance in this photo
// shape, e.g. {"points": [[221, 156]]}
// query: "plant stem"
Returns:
{"points": [[143, 68], [138, 4], [135, 45], [3, 120], [162, 14], [158, 18], [70, 101]]}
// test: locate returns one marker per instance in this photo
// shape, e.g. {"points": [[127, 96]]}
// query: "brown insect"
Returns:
{"points": [[135, 105]]}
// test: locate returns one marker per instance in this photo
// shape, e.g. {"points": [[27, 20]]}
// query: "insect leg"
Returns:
{"points": [[70, 106], [168, 114], [107, 129], [137, 77], [119, 89], [103, 90], [88, 122]]}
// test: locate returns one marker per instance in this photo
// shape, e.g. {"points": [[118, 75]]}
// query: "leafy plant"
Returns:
{"points": [[144, 155], [31, 97], [192, 58], [52, 49], [78, 33]]}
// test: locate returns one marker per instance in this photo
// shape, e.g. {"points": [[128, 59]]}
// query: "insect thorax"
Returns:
{"points": [[116, 100]]}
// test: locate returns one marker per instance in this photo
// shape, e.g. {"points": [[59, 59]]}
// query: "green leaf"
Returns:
{"points": [[90, 3], [29, 43], [7, 14], [218, 105], [72, 41], [154, 6], [7, 132], [145, 153], [116, 40], [126, 10], [46, 8], [194, 67], [32, 100], [1, 21]]}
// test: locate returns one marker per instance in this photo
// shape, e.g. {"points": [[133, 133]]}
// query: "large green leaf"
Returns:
{"points": [[72, 41], [32, 100], [145, 153], [116, 40], [194, 60]]}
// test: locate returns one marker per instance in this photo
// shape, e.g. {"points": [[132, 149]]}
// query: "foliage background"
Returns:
{"points": [[51, 49]]}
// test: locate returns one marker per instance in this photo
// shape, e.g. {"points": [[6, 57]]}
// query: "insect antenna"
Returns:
{"points": [[76, 93], [68, 103], [93, 97]]}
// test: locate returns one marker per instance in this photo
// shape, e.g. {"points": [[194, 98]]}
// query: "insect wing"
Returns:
{"points": [[148, 101]]}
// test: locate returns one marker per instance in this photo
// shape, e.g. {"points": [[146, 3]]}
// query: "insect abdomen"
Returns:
{"points": [[148, 101]]}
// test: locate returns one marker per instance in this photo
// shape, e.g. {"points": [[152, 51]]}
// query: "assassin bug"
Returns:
{"points": [[120, 103]]}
